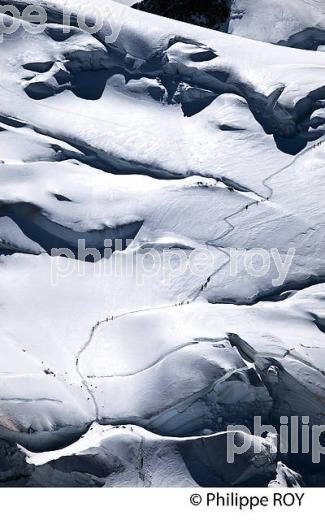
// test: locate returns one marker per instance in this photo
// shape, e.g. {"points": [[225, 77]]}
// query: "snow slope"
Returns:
{"points": [[293, 23], [171, 139]]}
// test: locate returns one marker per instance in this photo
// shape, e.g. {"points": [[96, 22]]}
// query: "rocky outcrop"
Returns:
{"points": [[207, 13]]}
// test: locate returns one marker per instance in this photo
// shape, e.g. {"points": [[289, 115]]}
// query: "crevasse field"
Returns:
{"points": [[189, 164]]}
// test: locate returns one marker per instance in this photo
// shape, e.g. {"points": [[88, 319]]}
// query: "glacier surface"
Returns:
{"points": [[171, 140]]}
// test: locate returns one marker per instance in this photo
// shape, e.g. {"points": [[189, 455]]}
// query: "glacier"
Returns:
{"points": [[167, 141]]}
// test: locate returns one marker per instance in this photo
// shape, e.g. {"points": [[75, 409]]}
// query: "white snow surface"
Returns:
{"points": [[297, 23], [179, 139]]}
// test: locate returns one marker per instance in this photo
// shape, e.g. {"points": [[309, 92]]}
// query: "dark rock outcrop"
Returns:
{"points": [[207, 13]]}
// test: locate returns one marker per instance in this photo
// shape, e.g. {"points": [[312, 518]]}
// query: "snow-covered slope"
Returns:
{"points": [[196, 147], [252, 126], [293, 23], [129, 456]]}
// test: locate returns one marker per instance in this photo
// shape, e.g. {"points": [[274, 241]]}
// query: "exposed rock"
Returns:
{"points": [[212, 14]]}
